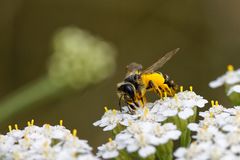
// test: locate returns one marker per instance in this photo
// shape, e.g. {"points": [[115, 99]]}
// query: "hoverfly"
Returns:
{"points": [[137, 82]]}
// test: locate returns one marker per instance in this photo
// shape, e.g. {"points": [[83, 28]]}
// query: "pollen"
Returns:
{"points": [[181, 88], [47, 126], [146, 111], [61, 122], [176, 97], [32, 122], [16, 126], [211, 115], [29, 123], [130, 122], [110, 140], [212, 103], [191, 88], [10, 128], [230, 68], [216, 103], [26, 138], [74, 132], [114, 112], [106, 109]]}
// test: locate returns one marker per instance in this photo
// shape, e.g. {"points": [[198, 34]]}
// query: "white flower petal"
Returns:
{"points": [[169, 113], [180, 152], [110, 155], [217, 83], [146, 151], [174, 135], [235, 88], [193, 126], [186, 113], [132, 148], [110, 127], [201, 103]]}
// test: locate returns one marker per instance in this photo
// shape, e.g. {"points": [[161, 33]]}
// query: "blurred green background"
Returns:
{"points": [[208, 33]]}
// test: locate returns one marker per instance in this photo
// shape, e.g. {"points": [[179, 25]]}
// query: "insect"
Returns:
{"points": [[138, 81]]}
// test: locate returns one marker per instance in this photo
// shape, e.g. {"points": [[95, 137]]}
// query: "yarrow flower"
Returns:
{"points": [[150, 131], [46, 142], [183, 104], [211, 143], [231, 77], [181, 110], [140, 137], [231, 81], [109, 150], [112, 119], [217, 135]]}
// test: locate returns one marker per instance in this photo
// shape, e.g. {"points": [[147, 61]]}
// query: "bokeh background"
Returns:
{"points": [[208, 33]]}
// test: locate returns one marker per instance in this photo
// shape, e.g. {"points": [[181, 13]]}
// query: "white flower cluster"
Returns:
{"points": [[46, 142], [148, 128], [218, 136], [141, 137], [231, 77], [112, 118], [231, 81], [182, 105]]}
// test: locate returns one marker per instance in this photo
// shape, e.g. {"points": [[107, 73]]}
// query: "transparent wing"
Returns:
{"points": [[161, 61]]}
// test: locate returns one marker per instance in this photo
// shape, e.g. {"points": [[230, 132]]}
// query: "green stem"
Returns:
{"points": [[185, 136], [118, 129], [123, 155], [151, 157], [26, 96], [165, 151], [234, 97], [193, 118]]}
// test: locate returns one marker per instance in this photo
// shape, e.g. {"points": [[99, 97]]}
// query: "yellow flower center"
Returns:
{"points": [[230, 68], [74, 132], [106, 109], [181, 88]]}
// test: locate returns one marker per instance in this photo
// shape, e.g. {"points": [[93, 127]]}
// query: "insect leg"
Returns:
{"points": [[142, 101], [131, 107], [167, 89], [120, 104], [156, 89]]}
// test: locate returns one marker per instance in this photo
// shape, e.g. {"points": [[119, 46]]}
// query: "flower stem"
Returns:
{"points": [[123, 155], [151, 157], [185, 138], [164, 152], [117, 129], [28, 95], [234, 97]]}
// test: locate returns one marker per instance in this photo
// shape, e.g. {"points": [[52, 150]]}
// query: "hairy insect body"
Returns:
{"points": [[137, 82], [156, 82]]}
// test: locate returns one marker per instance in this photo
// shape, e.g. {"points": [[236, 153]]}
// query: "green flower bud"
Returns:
{"points": [[80, 59]]}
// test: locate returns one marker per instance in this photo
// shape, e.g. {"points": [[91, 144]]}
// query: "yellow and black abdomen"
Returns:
{"points": [[159, 82]]}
